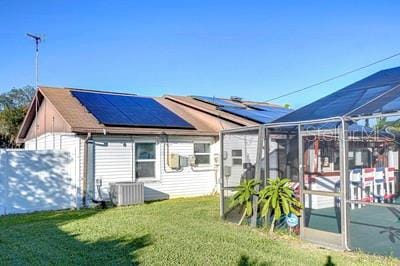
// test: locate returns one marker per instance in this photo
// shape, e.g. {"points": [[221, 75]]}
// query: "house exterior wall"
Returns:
{"points": [[247, 144], [113, 160]]}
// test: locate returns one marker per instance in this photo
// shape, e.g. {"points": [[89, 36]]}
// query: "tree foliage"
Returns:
{"points": [[13, 107]]}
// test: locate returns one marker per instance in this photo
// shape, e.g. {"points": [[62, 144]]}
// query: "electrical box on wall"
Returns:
{"points": [[183, 161], [173, 161], [227, 170]]}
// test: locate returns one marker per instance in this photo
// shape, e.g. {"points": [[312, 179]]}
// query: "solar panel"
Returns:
{"points": [[389, 102], [127, 110], [269, 108], [251, 114], [217, 101], [374, 94], [353, 127]]}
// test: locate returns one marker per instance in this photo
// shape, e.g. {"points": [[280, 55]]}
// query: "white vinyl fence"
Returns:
{"points": [[37, 180]]}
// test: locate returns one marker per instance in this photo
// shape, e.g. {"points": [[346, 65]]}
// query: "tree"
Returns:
{"points": [[278, 197], [13, 107], [381, 123], [244, 197]]}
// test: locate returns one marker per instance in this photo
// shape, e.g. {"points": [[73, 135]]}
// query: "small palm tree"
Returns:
{"points": [[244, 197], [278, 197]]}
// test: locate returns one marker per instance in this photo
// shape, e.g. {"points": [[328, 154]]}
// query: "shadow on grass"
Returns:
{"points": [[329, 261], [39, 239], [246, 261]]}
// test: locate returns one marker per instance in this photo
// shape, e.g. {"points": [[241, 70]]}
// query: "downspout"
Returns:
{"points": [[221, 174], [85, 169]]}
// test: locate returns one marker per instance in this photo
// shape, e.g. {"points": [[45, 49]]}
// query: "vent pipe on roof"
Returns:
{"points": [[236, 99]]}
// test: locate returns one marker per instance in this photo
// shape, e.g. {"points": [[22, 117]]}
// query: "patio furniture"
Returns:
{"points": [[379, 184], [390, 184], [368, 175]]}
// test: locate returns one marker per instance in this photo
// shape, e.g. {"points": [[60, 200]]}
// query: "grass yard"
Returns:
{"points": [[179, 231]]}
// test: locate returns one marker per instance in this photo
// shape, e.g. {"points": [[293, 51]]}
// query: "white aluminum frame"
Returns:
{"points": [[344, 173]]}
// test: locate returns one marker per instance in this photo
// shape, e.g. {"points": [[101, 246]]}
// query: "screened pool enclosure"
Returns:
{"points": [[342, 156]]}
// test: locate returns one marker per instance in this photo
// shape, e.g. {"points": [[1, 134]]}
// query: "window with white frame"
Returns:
{"points": [[202, 153], [236, 157], [145, 159]]}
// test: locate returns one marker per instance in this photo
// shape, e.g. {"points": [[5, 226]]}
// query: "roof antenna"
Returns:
{"points": [[38, 40]]}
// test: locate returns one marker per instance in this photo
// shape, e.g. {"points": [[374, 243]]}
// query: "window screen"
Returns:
{"points": [[145, 160], [202, 153]]}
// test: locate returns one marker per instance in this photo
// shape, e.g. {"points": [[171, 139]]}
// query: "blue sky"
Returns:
{"points": [[254, 49]]}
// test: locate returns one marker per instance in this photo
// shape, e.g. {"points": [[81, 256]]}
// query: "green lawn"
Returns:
{"points": [[179, 231]]}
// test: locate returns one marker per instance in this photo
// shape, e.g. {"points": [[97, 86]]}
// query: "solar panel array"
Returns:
{"points": [[127, 110], [378, 93], [217, 101], [257, 112], [254, 115], [268, 108], [353, 127]]}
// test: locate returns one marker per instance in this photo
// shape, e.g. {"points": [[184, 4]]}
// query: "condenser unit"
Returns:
{"points": [[127, 193]]}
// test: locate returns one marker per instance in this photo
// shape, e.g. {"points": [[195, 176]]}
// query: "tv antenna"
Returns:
{"points": [[38, 39]]}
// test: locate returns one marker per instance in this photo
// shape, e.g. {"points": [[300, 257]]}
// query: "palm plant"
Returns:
{"points": [[244, 197], [278, 197]]}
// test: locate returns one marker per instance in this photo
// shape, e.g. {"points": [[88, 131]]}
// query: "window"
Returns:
{"points": [[202, 153], [145, 160], [236, 157]]}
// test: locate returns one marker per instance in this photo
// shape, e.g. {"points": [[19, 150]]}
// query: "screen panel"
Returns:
{"points": [[375, 230]]}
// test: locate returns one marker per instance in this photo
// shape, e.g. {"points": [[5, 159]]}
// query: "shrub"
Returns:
{"points": [[278, 198], [244, 197]]}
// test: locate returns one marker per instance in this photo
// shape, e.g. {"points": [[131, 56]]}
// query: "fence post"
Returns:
{"points": [[3, 182]]}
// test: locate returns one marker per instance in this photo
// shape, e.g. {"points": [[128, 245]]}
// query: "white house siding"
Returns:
{"points": [[52, 141], [248, 144], [191, 181], [114, 161], [111, 161]]}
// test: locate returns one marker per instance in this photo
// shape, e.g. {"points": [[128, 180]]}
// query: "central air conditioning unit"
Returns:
{"points": [[127, 193]]}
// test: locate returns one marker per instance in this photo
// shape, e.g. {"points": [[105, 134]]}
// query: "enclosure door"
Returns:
{"points": [[322, 219], [321, 193]]}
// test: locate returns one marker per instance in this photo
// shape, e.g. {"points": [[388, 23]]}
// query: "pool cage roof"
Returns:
{"points": [[376, 94], [374, 97]]}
